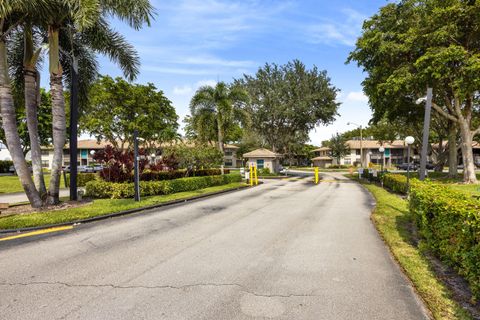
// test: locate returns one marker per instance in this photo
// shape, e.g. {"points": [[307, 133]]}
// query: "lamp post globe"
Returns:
{"points": [[409, 140], [381, 149], [92, 152]]}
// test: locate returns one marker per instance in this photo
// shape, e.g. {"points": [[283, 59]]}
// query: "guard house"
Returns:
{"points": [[263, 158]]}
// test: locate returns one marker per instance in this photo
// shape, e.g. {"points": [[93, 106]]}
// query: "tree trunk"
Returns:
{"points": [[31, 109], [452, 151], [467, 153], [58, 114], [11, 133]]}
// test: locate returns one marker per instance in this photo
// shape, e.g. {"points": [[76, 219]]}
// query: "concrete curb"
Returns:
{"points": [[125, 212]]}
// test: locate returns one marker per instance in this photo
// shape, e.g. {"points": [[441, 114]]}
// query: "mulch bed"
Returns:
{"points": [[27, 209]]}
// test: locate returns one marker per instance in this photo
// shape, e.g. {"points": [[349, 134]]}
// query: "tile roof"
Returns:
{"points": [[261, 153], [322, 158]]}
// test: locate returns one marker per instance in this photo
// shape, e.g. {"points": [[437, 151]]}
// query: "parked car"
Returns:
{"points": [[407, 166], [13, 171], [430, 166], [80, 169]]}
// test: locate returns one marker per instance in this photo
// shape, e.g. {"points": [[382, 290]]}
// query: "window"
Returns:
{"points": [[228, 153], [45, 152], [260, 164], [347, 161], [45, 163], [357, 152], [228, 163]]}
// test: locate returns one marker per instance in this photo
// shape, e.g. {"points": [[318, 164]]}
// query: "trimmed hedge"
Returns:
{"points": [[395, 182], [83, 179], [103, 189], [177, 174], [5, 165], [449, 221]]}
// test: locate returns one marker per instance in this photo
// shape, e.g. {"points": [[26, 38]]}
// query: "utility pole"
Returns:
{"points": [[135, 165], [73, 129], [361, 147], [426, 132]]}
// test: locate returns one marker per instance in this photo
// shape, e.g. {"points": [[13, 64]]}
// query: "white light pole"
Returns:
{"points": [[409, 141], [382, 150], [361, 141], [153, 155]]}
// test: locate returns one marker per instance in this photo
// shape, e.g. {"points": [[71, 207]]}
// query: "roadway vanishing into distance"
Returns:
{"points": [[287, 249]]}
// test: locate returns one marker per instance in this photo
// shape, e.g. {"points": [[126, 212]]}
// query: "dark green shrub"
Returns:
{"points": [[5, 166], [395, 182], [83, 178], [449, 221], [103, 189]]}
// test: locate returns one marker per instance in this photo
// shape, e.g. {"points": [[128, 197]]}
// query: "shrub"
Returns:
{"points": [[264, 171], [5, 165], [103, 189], [82, 179], [395, 182], [449, 221], [338, 166]]}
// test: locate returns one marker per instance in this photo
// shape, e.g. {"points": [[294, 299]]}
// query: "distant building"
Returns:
{"points": [[395, 153], [4, 153], [263, 158], [88, 147]]}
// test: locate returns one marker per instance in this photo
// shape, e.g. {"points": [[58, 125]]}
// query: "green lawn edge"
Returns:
{"points": [[392, 219], [101, 207]]}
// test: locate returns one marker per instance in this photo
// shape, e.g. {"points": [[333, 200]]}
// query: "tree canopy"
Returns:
{"points": [[117, 107], [288, 101]]}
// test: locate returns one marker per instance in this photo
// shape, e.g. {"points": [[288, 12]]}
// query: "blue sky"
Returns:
{"points": [[197, 42]]}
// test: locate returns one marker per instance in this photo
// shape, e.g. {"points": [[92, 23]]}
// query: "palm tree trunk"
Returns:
{"points": [[58, 114], [11, 133], [32, 84]]}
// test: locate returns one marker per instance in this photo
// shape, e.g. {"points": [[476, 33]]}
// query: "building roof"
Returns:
{"points": [[322, 158], [370, 144], [261, 153]]}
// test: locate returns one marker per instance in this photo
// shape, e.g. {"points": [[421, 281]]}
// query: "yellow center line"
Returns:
{"points": [[34, 233]]}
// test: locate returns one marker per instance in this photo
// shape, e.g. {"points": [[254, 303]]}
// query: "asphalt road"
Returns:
{"points": [[285, 250]]}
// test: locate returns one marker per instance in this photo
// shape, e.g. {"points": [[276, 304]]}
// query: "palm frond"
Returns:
{"points": [[102, 39], [134, 12]]}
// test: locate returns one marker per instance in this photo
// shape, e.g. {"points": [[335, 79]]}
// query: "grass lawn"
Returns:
{"points": [[11, 184], [100, 207], [393, 221]]}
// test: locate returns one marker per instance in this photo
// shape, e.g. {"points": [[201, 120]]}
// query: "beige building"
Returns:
{"points": [[88, 147], [395, 153], [263, 158]]}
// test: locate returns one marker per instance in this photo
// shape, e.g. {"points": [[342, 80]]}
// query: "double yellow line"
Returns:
{"points": [[37, 232]]}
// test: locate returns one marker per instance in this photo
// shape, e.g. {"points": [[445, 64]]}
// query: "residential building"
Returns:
{"points": [[88, 147], [4, 154], [368, 150]]}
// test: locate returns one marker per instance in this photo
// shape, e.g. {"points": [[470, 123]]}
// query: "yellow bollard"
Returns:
{"points": [[251, 174], [256, 176], [316, 175]]}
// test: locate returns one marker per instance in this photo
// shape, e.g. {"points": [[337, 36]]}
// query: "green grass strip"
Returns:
{"points": [[101, 207], [393, 220]]}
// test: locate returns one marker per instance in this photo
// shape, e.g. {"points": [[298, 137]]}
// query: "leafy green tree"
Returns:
{"points": [[218, 112], [117, 107], [288, 101], [338, 146], [193, 157], [411, 45]]}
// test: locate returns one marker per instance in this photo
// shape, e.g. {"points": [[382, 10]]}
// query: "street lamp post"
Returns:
{"points": [[426, 131], [361, 141], [382, 150], [135, 165], [73, 129], [409, 141]]}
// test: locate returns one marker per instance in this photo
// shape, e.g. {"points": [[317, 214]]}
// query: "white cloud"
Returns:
{"points": [[356, 96], [202, 83], [181, 91], [343, 31]]}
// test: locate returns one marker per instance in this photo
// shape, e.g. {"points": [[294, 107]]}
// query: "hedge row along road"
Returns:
{"points": [[286, 249]]}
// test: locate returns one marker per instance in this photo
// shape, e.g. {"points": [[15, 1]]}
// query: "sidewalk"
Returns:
{"points": [[18, 197]]}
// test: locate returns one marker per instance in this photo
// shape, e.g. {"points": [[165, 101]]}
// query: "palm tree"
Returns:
{"points": [[218, 109], [98, 36], [94, 36], [13, 13]]}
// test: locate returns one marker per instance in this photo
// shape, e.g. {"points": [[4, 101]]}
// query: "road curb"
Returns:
{"points": [[125, 212]]}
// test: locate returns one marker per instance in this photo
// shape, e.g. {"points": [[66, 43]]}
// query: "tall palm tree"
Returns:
{"points": [[13, 13], [218, 109], [99, 36]]}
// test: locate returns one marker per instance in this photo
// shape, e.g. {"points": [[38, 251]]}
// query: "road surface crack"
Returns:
{"points": [[156, 287]]}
